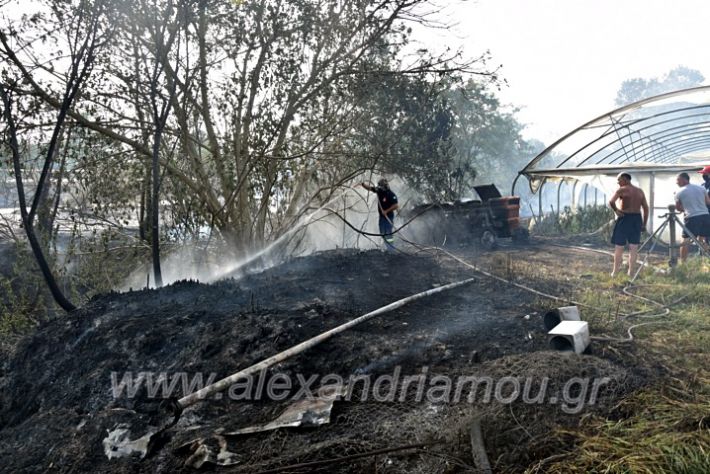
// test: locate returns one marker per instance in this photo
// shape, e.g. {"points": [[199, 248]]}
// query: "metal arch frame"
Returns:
{"points": [[559, 189], [698, 127], [515, 181], [611, 170], [669, 138], [620, 138], [694, 145], [663, 133], [574, 193], [594, 123]]}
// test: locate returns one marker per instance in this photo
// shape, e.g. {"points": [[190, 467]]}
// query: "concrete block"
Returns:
{"points": [[570, 336], [556, 315]]}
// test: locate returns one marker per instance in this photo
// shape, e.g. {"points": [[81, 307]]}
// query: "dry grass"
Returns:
{"points": [[666, 426], [667, 430]]}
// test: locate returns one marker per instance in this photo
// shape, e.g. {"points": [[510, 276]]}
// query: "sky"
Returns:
{"points": [[564, 60]]}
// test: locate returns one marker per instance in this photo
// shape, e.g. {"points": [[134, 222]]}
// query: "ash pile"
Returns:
{"points": [[66, 394]]}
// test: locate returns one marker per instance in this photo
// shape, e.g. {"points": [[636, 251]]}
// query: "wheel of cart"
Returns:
{"points": [[520, 235], [488, 239]]}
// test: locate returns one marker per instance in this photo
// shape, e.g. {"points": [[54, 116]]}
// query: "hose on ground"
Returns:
{"points": [[665, 309]]}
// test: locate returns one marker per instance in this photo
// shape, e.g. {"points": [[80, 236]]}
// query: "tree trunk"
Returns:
{"points": [[155, 229], [26, 217]]}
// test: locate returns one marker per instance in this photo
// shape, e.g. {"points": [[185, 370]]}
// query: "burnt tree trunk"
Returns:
{"points": [[28, 217], [154, 214]]}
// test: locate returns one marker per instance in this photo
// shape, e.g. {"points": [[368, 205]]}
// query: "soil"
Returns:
{"points": [[57, 405]]}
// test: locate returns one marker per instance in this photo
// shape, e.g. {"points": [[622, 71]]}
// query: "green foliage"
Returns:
{"points": [[580, 220], [24, 299], [486, 136], [278, 105], [100, 263], [444, 135], [90, 264], [405, 129]]}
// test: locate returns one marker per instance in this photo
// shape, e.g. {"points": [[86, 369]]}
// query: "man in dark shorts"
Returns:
{"points": [[386, 205], [629, 223], [693, 201]]}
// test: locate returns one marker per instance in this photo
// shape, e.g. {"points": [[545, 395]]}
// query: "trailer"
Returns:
{"points": [[485, 220]]}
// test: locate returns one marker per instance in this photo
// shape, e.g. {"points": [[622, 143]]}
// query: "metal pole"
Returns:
{"points": [[673, 258], [586, 188], [574, 194], [539, 202], [651, 200], [515, 181], [559, 188]]}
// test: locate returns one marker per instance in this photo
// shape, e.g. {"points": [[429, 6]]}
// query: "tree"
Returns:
{"points": [[633, 90], [266, 110], [88, 36], [487, 139], [401, 126], [164, 35]]}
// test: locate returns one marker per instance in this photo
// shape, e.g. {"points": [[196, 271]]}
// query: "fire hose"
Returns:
{"points": [[665, 308], [125, 445]]}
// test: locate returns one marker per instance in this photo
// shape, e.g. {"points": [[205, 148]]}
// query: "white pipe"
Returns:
{"points": [[226, 382]]}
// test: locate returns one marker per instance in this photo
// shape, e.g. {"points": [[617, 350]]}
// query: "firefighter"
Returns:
{"points": [[386, 205]]}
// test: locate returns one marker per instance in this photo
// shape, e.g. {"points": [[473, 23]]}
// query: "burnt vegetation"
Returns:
{"points": [[147, 140]]}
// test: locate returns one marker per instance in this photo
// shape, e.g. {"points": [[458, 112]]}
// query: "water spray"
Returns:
{"points": [[298, 225]]}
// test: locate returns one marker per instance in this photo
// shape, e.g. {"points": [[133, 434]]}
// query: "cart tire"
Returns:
{"points": [[488, 240], [521, 235]]}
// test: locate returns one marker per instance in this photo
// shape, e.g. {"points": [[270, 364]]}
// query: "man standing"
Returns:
{"points": [[706, 180], [629, 222], [693, 201], [386, 205]]}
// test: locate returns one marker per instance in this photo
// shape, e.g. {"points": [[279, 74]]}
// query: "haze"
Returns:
{"points": [[565, 60]]}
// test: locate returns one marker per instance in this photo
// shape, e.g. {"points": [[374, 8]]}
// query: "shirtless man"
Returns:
{"points": [[629, 223]]}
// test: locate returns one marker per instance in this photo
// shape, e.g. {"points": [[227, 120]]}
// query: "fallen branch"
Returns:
{"points": [[226, 382]]}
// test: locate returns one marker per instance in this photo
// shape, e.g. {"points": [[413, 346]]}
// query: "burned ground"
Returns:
{"points": [[57, 404]]}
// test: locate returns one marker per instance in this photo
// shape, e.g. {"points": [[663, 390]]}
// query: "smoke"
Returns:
{"points": [[320, 230], [340, 223]]}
